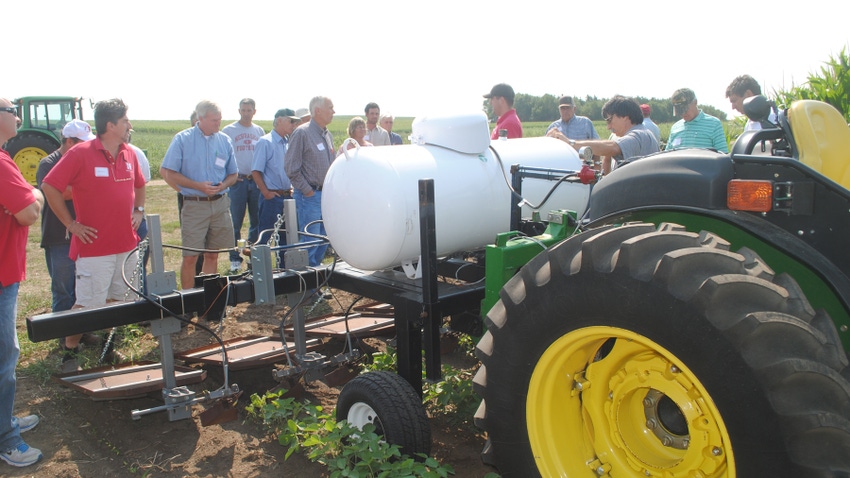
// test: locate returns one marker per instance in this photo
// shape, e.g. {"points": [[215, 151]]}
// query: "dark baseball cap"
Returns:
{"points": [[503, 90], [683, 95], [566, 100], [288, 113], [681, 99]]}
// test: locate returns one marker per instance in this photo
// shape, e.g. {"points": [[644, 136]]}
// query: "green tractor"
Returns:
{"points": [[696, 326], [42, 119]]}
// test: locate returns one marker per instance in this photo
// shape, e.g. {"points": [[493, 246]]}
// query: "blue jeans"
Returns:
{"points": [[310, 209], [270, 209], [10, 434], [244, 195], [61, 269]]}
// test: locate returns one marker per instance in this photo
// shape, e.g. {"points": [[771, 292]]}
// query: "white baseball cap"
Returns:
{"points": [[78, 129]]}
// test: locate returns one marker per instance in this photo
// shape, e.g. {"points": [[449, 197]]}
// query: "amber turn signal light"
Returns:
{"points": [[748, 195]]}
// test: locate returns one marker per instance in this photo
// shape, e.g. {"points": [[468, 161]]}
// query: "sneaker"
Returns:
{"points": [[70, 365], [21, 455], [69, 358], [26, 423]]}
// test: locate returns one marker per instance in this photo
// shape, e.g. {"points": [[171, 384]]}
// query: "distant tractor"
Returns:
{"points": [[42, 119]]}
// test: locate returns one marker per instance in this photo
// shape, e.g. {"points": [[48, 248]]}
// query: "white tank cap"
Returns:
{"points": [[468, 134]]}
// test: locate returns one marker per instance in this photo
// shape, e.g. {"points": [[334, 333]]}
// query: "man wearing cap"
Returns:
{"points": [[21, 205], [374, 133], [269, 174], [200, 164], [308, 157], [54, 240], [696, 129], [244, 135], [632, 140], [501, 99], [647, 121], [108, 190], [304, 114], [571, 125]]}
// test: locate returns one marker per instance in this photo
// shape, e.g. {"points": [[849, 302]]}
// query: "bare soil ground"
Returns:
{"points": [[81, 437]]}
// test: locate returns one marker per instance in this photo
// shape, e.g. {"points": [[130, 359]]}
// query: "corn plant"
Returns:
{"points": [[830, 85]]}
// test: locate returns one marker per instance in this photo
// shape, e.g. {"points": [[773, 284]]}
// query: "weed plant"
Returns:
{"points": [[342, 448]]}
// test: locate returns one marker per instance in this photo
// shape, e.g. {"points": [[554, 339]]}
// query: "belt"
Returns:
{"points": [[246, 177], [202, 198], [316, 188], [287, 193]]}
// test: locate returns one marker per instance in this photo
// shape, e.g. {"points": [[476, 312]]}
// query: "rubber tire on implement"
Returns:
{"points": [[27, 149], [620, 328], [388, 401]]}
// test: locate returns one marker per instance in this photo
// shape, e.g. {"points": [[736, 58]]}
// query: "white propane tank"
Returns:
{"points": [[370, 197]]}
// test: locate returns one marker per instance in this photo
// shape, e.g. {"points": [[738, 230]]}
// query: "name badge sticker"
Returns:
{"points": [[320, 146], [220, 162], [101, 172]]}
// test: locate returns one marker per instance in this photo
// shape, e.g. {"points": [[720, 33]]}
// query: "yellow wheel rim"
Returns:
{"points": [[605, 401], [27, 160]]}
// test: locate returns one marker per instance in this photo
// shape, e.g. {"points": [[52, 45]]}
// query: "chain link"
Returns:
{"points": [[274, 239], [139, 270]]}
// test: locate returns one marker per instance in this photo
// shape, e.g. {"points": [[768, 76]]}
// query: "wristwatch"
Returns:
{"points": [[572, 142], [139, 208]]}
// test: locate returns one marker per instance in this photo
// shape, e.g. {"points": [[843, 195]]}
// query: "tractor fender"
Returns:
{"points": [[687, 177], [826, 284]]}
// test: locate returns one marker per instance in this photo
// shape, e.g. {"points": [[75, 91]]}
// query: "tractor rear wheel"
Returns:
{"points": [[27, 149], [632, 351]]}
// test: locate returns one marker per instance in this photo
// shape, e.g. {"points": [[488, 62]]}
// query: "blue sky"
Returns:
{"points": [[411, 57]]}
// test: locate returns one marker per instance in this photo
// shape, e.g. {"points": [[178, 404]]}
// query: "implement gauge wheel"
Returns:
{"points": [[390, 403], [630, 351], [27, 149]]}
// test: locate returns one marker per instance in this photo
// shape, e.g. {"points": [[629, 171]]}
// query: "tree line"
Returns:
{"points": [[545, 108], [831, 85]]}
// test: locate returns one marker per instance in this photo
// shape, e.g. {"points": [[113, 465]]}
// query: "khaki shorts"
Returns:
{"points": [[206, 225], [99, 279]]}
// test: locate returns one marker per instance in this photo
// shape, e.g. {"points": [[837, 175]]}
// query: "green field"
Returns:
{"points": [[155, 136]]}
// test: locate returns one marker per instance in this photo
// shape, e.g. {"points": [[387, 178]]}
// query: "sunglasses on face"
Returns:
{"points": [[9, 109]]}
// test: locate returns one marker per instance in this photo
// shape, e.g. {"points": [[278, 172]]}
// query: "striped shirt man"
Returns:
{"points": [[704, 131]]}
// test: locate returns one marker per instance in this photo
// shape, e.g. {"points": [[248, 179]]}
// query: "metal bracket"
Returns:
{"points": [[796, 198], [262, 274]]}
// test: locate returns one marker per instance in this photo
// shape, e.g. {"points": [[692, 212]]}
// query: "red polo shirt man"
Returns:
{"points": [[108, 190], [103, 189], [20, 206], [502, 100]]}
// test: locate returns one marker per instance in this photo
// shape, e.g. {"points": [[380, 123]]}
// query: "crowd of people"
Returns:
{"points": [[633, 133], [94, 186]]}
